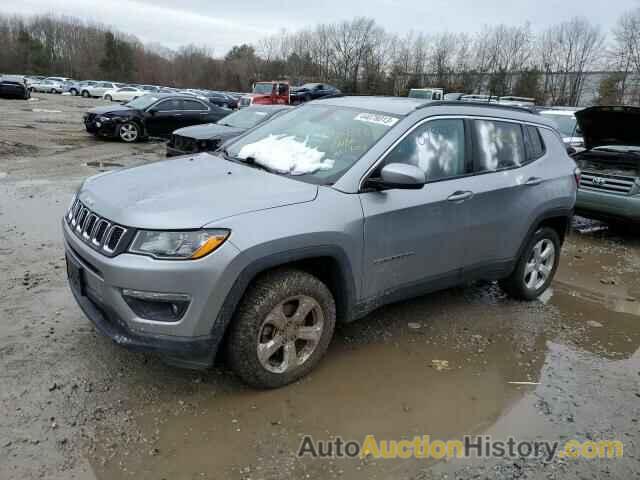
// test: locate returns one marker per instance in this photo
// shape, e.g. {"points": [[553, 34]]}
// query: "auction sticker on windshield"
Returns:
{"points": [[376, 118]]}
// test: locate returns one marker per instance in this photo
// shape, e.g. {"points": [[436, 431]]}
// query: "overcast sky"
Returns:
{"points": [[219, 25]]}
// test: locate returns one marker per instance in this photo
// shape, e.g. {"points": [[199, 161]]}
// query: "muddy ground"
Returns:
{"points": [[73, 405]]}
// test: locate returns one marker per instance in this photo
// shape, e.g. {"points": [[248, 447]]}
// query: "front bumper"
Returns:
{"points": [[189, 342], [105, 129], [608, 205]]}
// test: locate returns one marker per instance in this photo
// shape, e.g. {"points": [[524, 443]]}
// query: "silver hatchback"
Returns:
{"points": [[318, 216]]}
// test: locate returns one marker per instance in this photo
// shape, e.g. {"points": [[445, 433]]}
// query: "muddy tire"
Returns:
{"points": [[536, 267], [281, 329], [129, 132]]}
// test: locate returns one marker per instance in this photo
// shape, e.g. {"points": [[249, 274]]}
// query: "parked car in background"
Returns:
{"points": [[59, 79], [267, 93], [33, 79], [123, 94], [208, 137], [46, 86], [610, 164], [317, 216], [567, 124], [221, 99], [427, 93], [154, 115], [14, 86], [98, 89], [149, 88], [312, 91]]}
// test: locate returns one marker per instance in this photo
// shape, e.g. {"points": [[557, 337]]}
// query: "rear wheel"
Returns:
{"points": [[85, 94], [282, 329], [129, 132], [536, 267], [73, 92]]}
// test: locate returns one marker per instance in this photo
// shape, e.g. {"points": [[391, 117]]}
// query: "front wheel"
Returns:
{"points": [[281, 329], [536, 267], [73, 92], [129, 132], [85, 94], [108, 98]]}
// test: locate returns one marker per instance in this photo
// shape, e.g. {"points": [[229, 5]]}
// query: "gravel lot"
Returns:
{"points": [[73, 405]]}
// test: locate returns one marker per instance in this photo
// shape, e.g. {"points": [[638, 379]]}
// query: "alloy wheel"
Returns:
{"points": [[128, 132], [290, 334], [540, 265]]}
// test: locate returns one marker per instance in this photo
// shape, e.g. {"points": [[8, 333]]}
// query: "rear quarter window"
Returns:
{"points": [[533, 142]]}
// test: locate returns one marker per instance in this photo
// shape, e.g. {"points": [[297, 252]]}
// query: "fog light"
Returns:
{"points": [[157, 306]]}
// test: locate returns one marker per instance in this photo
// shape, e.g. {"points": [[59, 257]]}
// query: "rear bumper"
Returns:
{"points": [[607, 205]]}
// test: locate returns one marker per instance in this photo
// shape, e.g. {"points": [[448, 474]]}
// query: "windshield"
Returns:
{"points": [[142, 102], [263, 88], [566, 124], [246, 118], [316, 143]]}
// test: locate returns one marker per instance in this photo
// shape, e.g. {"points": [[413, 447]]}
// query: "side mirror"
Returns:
{"points": [[153, 111], [399, 175]]}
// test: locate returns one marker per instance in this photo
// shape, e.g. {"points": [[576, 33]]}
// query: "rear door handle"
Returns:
{"points": [[460, 196], [533, 181]]}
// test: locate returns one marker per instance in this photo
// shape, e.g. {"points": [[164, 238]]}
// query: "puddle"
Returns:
{"points": [[379, 378]]}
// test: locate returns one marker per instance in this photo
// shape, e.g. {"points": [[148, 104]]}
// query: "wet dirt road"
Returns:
{"points": [[72, 405]]}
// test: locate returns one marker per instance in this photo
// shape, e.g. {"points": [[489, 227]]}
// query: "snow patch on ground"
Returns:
{"points": [[286, 154]]}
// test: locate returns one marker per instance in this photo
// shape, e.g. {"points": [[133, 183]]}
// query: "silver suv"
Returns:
{"points": [[320, 215]]}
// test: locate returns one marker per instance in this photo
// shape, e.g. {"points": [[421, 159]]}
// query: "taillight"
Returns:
{"points": [[577, 173]]}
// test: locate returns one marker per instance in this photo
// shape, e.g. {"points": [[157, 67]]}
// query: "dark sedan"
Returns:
{"points": [[203, 138], [153, 115], [311, 91], [14, 86]]}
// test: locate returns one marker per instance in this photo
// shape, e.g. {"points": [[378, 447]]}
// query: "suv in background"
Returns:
{"points": [[610, 164], [46, 86], [322, 214]]}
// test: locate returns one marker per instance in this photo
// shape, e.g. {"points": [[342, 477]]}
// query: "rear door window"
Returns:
{"points": [[169, 105], [498, 145], [194, 105]]}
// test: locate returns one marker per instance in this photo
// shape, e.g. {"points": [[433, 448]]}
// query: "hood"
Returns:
{"points": [[110, 109], [189, 192], [208, 131], [610, 126]]}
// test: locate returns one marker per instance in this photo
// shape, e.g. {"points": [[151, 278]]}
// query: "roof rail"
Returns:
{"points": [[497, 106]]}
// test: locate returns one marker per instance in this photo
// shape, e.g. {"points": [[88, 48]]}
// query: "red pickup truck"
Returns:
{"points": [[267, 93]]}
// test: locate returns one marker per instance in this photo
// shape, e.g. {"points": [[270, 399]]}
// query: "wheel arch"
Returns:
{"points": [[558, 219], [330, 264]]}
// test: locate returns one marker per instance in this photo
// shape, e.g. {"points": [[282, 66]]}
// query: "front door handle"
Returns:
{"points": [[460, 196], [533, 181]]}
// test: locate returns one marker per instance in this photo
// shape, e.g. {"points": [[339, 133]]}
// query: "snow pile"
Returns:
{"points": [[285, 154]]}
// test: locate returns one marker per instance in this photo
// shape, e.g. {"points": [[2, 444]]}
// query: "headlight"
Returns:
{"points": [[102, 118], [188, 245]]}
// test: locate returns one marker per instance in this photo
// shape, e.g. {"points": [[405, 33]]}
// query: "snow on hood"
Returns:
{"points": [[286, 154]]}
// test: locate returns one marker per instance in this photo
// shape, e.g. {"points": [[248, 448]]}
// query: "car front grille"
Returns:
{"points": [[97, 232], [184, 144], [617, 184]]}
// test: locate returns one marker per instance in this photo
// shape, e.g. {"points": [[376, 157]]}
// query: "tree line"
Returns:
{"points": [[358, 56]]}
